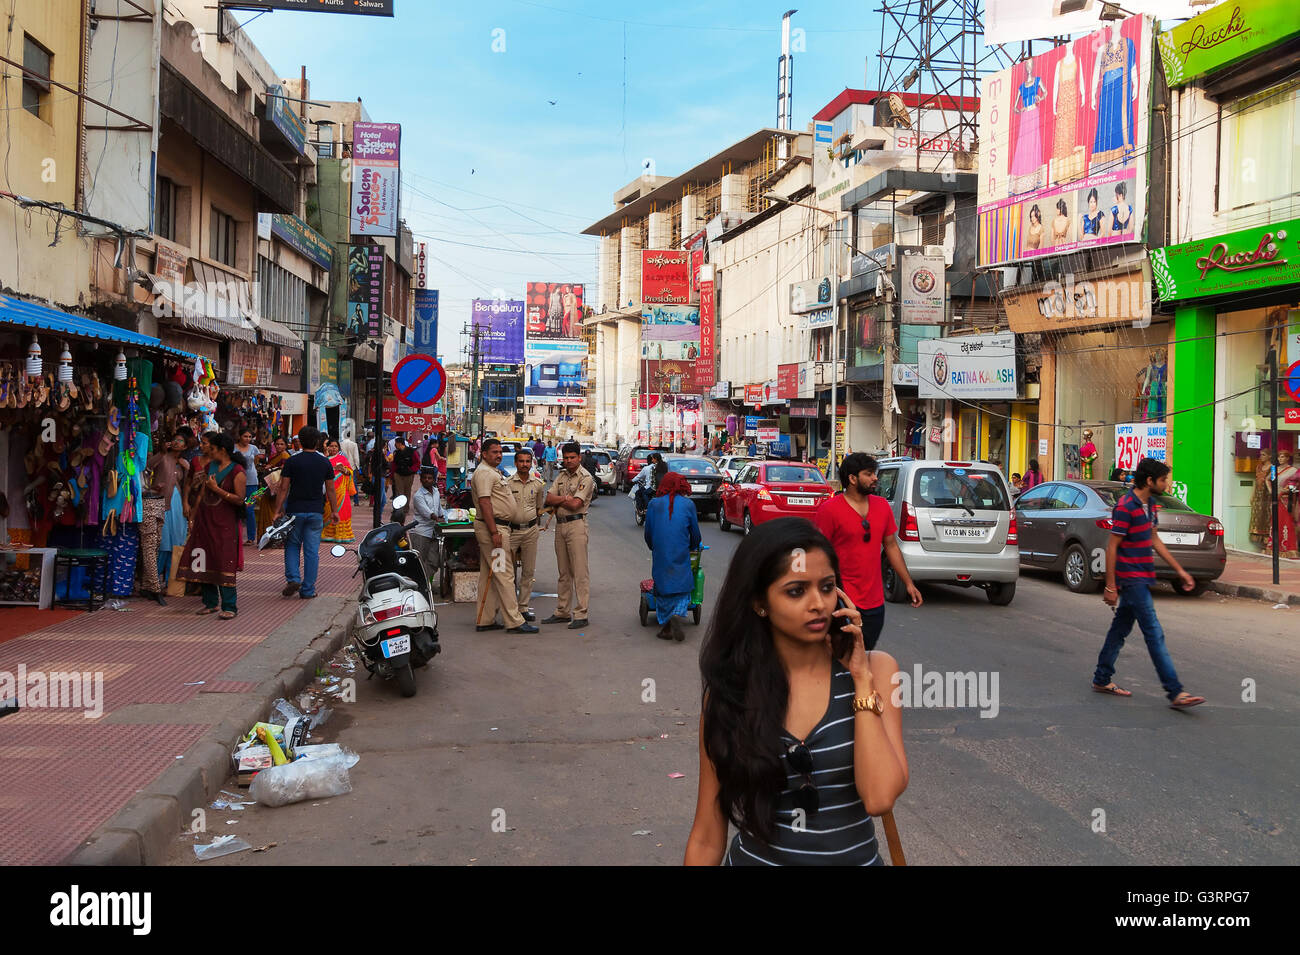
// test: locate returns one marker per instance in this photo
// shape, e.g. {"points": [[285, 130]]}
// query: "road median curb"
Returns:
{"points": [[143, 831], [1250, 592]]}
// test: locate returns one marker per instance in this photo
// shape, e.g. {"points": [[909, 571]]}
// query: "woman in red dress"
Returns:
{"points": [[214, 551]]}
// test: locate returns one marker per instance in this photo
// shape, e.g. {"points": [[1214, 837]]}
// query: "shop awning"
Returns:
{"points": [[277, 334], [16, 311]]}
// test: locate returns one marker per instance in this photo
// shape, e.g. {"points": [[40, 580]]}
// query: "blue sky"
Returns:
{"points": [[487, 160]]}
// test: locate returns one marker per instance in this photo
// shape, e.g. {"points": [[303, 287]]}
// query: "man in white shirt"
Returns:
{"points": [[426, 507]]}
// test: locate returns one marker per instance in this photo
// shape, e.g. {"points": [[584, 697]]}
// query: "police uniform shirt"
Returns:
{"points": [[490, 483], [580, 484], [529, 498]]}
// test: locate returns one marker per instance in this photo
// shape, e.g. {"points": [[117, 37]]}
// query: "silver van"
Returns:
{"points": [[955, 525]]}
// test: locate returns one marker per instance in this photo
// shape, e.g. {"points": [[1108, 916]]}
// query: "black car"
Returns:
{"points": [[704, 478]]}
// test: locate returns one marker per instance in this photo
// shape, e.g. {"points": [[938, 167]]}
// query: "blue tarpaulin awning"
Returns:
{"points": [[16, 311]]}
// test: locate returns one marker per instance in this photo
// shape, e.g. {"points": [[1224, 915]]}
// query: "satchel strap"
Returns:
{"points": [[896, 856]]}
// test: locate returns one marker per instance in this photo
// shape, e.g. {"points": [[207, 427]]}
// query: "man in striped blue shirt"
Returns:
{"points": [[1131, 564]]}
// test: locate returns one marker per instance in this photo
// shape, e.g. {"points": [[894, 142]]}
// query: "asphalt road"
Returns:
{"points": [[555, 740]]}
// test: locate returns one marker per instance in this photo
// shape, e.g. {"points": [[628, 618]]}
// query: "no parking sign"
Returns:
{"points": [[419, 380]]}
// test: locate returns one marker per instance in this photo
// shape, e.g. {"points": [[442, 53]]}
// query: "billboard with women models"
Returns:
{"points": [[1063, 143], [554, 310]]}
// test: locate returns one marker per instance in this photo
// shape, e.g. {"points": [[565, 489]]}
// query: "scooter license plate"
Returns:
{"points": [[395, 646]]}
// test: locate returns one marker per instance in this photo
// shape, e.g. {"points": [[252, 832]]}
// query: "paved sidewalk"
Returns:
{"points": [[170, 678], [1251, 576]]}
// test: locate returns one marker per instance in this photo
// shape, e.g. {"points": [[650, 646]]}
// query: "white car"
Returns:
{"points": [[605, 468], [730, 465]]}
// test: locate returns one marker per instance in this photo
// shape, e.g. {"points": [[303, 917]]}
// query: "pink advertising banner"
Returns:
{"points": [[376, 159], [1063, 146]]}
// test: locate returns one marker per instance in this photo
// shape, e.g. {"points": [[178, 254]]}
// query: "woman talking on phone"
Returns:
{"points": [[800, 742]]}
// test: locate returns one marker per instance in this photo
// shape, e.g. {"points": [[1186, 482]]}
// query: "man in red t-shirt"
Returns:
{"points": [[859, 525]]}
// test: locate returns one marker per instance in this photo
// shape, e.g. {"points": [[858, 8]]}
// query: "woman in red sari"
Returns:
{"points": [[214, 552], [338, 530]]}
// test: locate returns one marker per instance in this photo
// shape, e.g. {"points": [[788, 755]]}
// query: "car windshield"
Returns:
{"points": [[508, 462], [1110, 497], [601, 457], [976, 488], [641, 455], [739, 462], [688, 466], [783, 473]]}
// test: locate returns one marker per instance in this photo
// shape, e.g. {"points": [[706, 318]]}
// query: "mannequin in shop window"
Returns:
{"points": [[1261, 503], [1151, 386], [1087, 455], [1288, 496]]}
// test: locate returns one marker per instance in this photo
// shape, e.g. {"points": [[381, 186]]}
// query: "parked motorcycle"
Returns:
{"points": [[397, 627]]}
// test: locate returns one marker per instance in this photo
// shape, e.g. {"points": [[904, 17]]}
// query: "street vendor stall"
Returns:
{"points": [[79, 420]]}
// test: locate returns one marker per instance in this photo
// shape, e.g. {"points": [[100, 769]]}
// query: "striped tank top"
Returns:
{"points": [[840, 832]]}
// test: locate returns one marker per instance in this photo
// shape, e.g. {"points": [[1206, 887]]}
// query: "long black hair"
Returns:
{"points": [[746, 692]]}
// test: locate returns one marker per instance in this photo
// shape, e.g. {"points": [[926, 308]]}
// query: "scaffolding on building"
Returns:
{"points": [[938, 52]]}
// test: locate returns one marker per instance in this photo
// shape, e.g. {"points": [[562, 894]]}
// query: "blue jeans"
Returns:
{"points": [[1135, 605], [305, 537], [251, 519]]}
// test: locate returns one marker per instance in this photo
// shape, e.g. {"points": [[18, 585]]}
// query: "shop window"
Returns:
{"points": [[36, 91], [221, 238], [1259, 150]]}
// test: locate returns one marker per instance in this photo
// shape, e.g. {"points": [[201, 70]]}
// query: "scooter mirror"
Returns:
{"points": [[399, 502], [338, 550]]}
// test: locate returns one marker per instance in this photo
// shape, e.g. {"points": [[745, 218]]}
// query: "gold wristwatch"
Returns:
{"points": [[874, 703]]}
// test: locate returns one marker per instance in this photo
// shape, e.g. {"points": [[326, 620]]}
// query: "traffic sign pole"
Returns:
{"points": [[1277, 530]]}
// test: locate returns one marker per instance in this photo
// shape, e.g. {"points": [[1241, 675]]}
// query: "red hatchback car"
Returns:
{"points": [[767, 489]]}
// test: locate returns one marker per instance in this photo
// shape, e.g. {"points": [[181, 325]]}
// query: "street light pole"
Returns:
{"points": [[836, 238]]}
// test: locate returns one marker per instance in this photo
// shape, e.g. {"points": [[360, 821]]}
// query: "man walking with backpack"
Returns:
{"points": [[1131, 566]]}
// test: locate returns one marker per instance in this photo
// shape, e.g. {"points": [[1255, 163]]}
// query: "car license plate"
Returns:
{"points": [[701, 488], [962, 533], [801, 501], [1184, 540], [396, 646]]}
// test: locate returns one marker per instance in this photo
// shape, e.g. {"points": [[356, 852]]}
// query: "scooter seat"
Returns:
{"points": [[400, 583]]}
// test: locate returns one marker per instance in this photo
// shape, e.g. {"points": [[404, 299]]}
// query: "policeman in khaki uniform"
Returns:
{"points": [[529, 492], [496, 570], [570, 495]]}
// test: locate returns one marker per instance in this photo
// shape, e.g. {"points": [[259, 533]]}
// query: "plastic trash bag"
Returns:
{"points": [[302, 779], [282, 711], [221, 846], [327, 751]]}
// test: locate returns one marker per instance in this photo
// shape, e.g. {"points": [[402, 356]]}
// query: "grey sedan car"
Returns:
{"points": [[1065, 526]]}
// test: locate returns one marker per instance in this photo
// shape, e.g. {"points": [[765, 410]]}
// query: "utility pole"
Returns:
{"points": [[475, 333]]}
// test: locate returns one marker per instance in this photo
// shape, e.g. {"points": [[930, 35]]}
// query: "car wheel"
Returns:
{"points": [[749, 524], [1200, 588], [1077, 575], [895, 589], [723, 523], [1001, 594]]}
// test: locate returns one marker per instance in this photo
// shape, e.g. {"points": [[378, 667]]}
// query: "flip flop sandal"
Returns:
{"points": [[227, 615], [206, 611], [1111, 689], [1184, 702]]}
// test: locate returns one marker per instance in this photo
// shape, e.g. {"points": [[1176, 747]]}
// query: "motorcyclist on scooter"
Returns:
{"points": [[647, 480]]}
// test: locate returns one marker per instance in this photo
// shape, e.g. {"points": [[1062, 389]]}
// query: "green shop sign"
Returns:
{"points": [[1240, 261], [302, 238], [1223, 35]]}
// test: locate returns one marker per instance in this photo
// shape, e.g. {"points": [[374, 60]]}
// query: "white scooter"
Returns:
{"points": [[397, 627]]}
